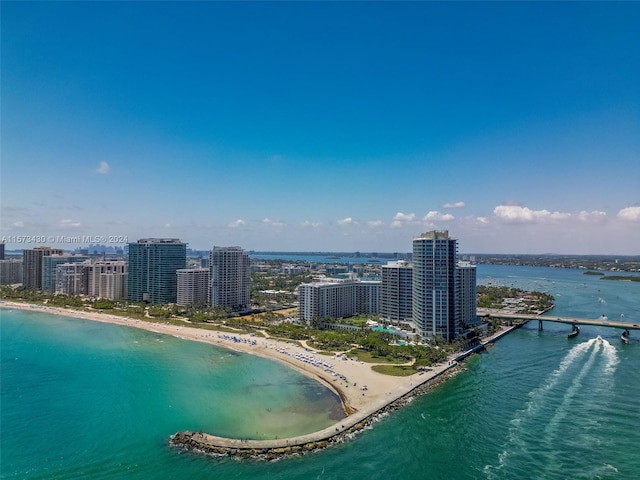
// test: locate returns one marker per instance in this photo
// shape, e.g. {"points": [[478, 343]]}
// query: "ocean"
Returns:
{"points": [[81, 399]]}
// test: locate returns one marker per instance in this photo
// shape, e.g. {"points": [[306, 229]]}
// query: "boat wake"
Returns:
{"points": [[561, 404]]}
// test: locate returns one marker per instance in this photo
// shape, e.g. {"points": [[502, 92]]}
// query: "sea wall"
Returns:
{"points": [[334, 435]]}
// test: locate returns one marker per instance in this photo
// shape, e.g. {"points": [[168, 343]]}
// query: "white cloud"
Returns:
{"points": [[559, 216], [375, 223], [404, 217], [167, 225], [453, 205], [18, 224], [630, 213], [308, 223], [437, 216], [483, 220], [347, 221], [237, 223], [104, 168], [68, 223], [273, 223], [590, 216], [401, 219], [516, 213]]}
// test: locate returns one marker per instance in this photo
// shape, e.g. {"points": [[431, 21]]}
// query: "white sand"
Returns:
{"points": [[381, 389]]}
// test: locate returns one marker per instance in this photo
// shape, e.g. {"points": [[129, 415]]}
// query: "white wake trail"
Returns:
{"points": [[514, 441]]}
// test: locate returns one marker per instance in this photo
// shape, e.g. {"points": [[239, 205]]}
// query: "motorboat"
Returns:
{"points": [[599, 339], [625, 336], [574, 332]]}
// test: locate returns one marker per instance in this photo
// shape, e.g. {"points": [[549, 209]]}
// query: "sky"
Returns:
{"points": [[330, 126]]}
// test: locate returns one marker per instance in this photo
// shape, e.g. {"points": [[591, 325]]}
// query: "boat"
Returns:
{"points": [[599, 339], [574, 332], [625, 336]]}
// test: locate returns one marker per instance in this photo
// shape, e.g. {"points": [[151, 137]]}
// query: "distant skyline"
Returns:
{"points": [[328, 126]]}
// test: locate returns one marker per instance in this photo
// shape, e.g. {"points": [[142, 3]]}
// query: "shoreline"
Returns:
{"points": [[345, 378], [379, 386]]}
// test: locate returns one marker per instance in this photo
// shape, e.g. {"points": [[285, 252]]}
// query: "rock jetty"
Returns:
{"points": [[271, 450]]}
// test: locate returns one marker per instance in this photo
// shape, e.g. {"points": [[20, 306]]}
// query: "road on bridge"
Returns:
{"points": [[598, 322]]}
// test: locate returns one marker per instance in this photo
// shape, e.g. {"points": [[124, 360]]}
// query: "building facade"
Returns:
{"points": [[338, 299], [434, 284], [153, 263], [467, 297], [10, 271], [230, 276], [396, 295], [193, 286], [32, 265], [444, 290], [50, 265], [70, 279], [107, 279]]}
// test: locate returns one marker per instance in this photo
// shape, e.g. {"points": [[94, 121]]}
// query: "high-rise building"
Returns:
{"points": [[396, 292], [230, 278], [107, 279], [153, 263], [434, 284], [10, 271], [193, 286], [338, 299], [467, 297], [2, 251], [70, 278], [50, 265], [32, 265]]}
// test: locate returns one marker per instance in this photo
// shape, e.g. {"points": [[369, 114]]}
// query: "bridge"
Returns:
{"points": [[598, 322]]}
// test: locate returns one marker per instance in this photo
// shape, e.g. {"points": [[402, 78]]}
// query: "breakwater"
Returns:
{"points": [[336, 434]]}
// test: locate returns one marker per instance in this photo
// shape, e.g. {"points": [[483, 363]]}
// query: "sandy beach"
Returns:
{"points": [[329, 370]]}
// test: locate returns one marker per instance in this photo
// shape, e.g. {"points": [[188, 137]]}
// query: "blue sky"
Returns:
{"points": [[324, 126]]}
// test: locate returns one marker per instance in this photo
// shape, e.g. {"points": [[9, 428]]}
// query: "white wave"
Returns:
{"points": [[514, 442], [565, 407], [611, 354]]}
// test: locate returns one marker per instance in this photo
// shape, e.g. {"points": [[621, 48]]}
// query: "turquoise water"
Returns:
{"points": [[87, 400], [386, 330]]}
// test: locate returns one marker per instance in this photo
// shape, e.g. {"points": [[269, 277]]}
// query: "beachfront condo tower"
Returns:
{"points": [[397, 292], [193, 286], [333, 299], [230, 272], [443, 292], [153, 263], [50, 264], [32, 265], [107, 279], [466, 297]]}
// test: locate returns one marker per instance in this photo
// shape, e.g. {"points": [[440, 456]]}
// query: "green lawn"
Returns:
{"points": [[368, 357], [395, 370]]}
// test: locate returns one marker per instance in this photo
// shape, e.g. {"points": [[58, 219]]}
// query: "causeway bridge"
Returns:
{"points": [[575, 321]]}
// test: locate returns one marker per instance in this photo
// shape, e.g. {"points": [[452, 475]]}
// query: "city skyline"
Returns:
{"points": [[324, 126]]}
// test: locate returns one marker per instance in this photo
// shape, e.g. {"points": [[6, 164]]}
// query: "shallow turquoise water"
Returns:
{"points": [[82, 397], [87, 400]]}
